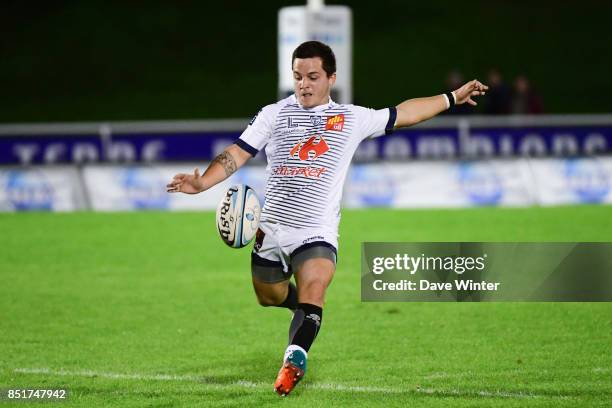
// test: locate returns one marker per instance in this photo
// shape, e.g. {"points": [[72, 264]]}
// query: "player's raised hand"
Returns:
{"points": [[467, 91], [186, 183]]}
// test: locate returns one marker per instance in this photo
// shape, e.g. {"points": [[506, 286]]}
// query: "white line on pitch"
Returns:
{"points": [[248, 384]]}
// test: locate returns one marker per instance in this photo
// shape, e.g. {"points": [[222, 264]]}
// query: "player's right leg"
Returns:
{"points": [[280, 293], [271, 277]]}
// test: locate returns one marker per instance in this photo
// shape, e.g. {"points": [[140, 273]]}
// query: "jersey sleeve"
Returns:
{"points": [[258, 132], [373, 122]]}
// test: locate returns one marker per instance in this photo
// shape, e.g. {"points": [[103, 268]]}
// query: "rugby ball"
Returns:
{"points": [[238, 216]]}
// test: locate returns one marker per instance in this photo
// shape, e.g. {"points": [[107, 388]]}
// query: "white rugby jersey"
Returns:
{"points": [[309, 152]]}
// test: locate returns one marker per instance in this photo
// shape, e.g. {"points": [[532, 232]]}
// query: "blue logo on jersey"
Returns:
{"points": [[316, 120], [29, 191], [144, 189], [587, 179], [480, 183]]}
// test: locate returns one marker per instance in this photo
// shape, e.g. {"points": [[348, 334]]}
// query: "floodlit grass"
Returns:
{"points": [[135, 309]]}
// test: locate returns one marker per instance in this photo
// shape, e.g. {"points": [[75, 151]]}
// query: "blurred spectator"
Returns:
{"points": [[525, 100], [498, 98], [454, 80]]}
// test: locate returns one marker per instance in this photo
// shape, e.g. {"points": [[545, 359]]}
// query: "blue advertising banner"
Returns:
{"points": [[121, 148], [438, 139]]}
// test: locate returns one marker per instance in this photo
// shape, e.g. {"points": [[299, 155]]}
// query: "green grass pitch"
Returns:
{"points": [[151, 309]]}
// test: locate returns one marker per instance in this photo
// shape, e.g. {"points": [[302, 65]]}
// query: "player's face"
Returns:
{"points": [[310, 82]]}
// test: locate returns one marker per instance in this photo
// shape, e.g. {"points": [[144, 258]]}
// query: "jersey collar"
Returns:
{"points": [[318, 108]]}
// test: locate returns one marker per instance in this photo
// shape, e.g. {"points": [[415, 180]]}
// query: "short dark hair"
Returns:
{"points": [[312, 49]]}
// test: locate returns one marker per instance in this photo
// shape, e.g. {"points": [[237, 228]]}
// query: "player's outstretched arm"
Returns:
{"points": [[223, 166], [417, 110]]}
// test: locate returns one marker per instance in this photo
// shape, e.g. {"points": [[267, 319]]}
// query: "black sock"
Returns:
{"points": [[291, 302], [305, 325]]}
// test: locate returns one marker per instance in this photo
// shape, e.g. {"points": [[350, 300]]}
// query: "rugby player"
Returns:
{"points": [[309, 141]]}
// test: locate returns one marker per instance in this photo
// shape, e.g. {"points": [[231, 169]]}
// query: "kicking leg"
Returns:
{"points": [[272, 286], [280, 294]]}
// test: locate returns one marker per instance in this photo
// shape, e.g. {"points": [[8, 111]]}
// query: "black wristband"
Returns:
{"points": [[451, 99]]}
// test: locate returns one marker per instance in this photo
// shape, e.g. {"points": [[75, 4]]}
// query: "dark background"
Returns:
{"points": [[100, 60]]}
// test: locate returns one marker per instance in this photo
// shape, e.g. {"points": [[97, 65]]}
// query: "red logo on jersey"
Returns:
{"points": [[299, 171], [335, 123], [304, 150]]}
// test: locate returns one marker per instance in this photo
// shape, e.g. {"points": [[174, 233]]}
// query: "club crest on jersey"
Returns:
{"points": [[303, 150], [316, 120], [335, 123]]}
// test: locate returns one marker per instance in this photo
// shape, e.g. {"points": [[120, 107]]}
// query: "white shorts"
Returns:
{"points": [[279, 249]]}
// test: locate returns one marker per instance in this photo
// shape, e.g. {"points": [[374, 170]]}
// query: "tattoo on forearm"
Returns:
{"points": [[227, 161]]}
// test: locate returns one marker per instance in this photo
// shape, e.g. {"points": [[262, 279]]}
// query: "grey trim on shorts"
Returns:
{"points": [[271, 273], [319, 251]]}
